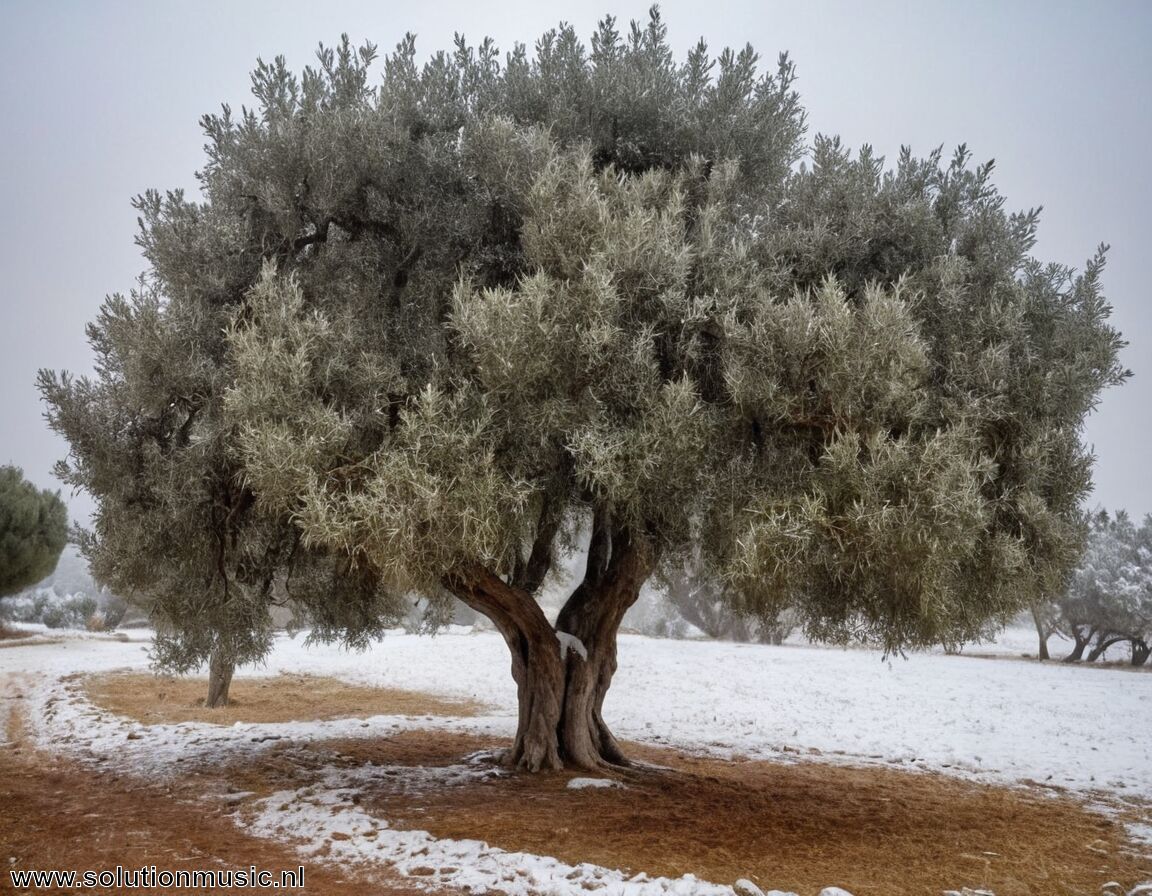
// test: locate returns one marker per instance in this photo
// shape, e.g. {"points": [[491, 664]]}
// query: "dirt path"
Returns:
{"points": [[58, 815]]}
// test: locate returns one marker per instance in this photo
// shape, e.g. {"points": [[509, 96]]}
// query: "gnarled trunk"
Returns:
{"points": [[618, 565], [536, 664], [220, 669], [562, 674], [1141, 650], [1102, 645]]}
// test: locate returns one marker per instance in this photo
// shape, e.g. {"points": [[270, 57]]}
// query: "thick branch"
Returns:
{"points": [[593, 615], [407, 263], [599, 547], [1103, 644], [511, 609], [530, 574], [536, 664], [619, 562], [184, 433]]}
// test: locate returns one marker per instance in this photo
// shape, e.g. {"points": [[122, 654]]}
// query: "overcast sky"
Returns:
{"points": [[100, 100]]}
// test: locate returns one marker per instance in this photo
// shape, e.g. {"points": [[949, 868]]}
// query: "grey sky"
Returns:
{"points": [[100, 101]]}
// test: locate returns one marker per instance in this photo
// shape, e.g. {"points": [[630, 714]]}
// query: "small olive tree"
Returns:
{"points": [[33, 531], [698, 596], [447, 325]]}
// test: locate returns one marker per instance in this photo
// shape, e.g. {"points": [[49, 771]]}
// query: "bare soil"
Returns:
{"points": [[59, 815], [159, 699], [800, 826]]}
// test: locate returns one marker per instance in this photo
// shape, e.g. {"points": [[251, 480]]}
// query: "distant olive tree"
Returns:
{"points": [[33, 531], [424, 335], [1045, 614], [176, 529], [1109, 598], [702, 601]]}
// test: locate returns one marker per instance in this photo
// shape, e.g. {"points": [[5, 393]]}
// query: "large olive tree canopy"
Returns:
{"points": [[446, 324]]}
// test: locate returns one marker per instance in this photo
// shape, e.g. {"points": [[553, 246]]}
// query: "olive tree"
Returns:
{"points": [[1108, 600], [697, 595], [457, 321]]}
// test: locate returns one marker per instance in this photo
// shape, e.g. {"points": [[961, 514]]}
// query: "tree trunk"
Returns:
{"points": [[695, 604], [593, 615], [1080, 644], [536, 665], [1141, 650], [1043, 634], [562, 674], [220, 669], [1101, 646]]}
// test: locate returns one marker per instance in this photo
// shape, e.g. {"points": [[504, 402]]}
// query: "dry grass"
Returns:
{"points": [[154, 699], [791, 826]]}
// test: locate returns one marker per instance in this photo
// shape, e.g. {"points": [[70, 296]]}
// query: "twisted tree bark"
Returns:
{"points": [[1102, 645], [563, 673], [618, 565], [536, 664], [1080, 643]]}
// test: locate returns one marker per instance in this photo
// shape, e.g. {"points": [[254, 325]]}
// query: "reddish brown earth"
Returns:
{"points": [[56, 814], [800, 826]]}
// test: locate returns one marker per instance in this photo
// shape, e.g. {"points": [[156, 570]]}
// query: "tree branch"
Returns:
{"points": [[400, 278], [599, 547], [610, 586], [512, 610], [530, 574]]}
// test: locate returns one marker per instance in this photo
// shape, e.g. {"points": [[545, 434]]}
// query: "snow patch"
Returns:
{"points": [[571, 642], [1140, 832], [592, 783], [745, 887]]}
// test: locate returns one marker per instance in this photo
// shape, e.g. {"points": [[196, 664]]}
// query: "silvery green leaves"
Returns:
{"points": [[444, 318], [583, 354], [826, 360], [832, 448], [889, 540]]}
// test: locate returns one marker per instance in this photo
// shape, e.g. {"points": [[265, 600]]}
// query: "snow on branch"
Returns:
{"points": [[571, 642]]}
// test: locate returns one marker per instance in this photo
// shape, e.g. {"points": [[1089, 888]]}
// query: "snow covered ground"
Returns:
{"points": [[1087, 729]]}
